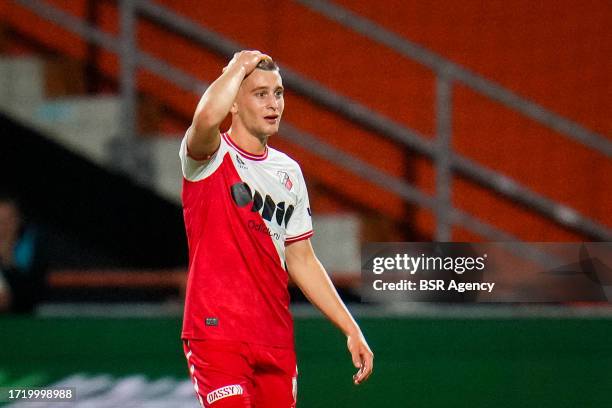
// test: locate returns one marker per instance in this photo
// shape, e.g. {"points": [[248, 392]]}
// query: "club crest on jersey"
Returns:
{"points": [[243, 196], [241, 163], [284, 179]]}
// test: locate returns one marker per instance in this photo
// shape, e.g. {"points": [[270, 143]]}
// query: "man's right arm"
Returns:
{"points": [[203, 137]]}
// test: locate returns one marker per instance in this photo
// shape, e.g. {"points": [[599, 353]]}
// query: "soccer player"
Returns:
{"points": [[248, 224]]}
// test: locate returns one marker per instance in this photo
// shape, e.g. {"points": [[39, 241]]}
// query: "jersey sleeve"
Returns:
{"points": [[196, 170], [299, 226]]}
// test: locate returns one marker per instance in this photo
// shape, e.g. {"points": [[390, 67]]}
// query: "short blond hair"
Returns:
{"points": [[267, 64]]}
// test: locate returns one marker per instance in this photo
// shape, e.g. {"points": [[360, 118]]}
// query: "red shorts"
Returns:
{"points": [[228, 374]]}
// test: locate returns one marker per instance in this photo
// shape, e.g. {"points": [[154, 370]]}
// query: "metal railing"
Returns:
{"points": [[447, 73], [454, 72], [440, 151]]}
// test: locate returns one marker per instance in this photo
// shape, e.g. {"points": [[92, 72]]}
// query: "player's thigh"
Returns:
{"points": [[274, 391], [275, 384], [220, 373]]}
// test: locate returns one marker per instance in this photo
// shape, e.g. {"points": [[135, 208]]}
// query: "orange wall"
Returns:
{"points": [[552, 52], [556, 53]]}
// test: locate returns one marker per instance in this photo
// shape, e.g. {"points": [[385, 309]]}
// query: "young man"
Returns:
{"points": [[248, 225], [22, 265]]}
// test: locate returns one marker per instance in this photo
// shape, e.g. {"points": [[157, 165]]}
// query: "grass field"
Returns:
{"points": [[527, 362]]}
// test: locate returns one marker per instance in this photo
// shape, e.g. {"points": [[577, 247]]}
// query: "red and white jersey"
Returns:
{"points": [[240, 211]]}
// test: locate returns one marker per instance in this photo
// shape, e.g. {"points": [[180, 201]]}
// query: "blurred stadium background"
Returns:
{"points": [[412, 120]]}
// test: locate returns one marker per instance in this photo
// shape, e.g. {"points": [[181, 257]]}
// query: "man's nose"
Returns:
{"points": [[273, 103]]}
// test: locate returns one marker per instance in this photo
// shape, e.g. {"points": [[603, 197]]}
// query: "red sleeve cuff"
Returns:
{"points": [[300, 237]]}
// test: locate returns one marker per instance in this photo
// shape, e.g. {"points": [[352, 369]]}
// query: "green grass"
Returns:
{"points": [[419, 362]]}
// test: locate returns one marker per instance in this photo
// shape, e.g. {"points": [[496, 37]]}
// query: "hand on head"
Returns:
{"points": [[247, 59]]}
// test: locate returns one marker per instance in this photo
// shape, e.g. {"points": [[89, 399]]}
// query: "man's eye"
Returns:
{"points": [[260, 94], [279, 93]]}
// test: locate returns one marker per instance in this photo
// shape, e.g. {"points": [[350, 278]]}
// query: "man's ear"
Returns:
{"points": [[234, 108]]}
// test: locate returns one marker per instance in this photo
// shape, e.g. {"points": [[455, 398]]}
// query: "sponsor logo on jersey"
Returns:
{"points": [[263, 228], [243, 196], [284, 179], [224, 392]]}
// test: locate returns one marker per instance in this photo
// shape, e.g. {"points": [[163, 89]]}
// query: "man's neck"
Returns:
{"points": [[246, 141]]}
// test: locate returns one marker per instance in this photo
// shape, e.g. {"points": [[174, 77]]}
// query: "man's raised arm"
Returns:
{"points": [[203, 136]]}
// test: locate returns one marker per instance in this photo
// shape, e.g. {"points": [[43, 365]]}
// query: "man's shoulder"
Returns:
{"points": [[284, 158]]}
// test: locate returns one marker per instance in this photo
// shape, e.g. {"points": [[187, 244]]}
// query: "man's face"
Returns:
{"points": [[259, 103], [9, 222]]}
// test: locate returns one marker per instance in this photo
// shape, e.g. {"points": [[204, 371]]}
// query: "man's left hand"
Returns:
{"points": [[362, 356]]}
